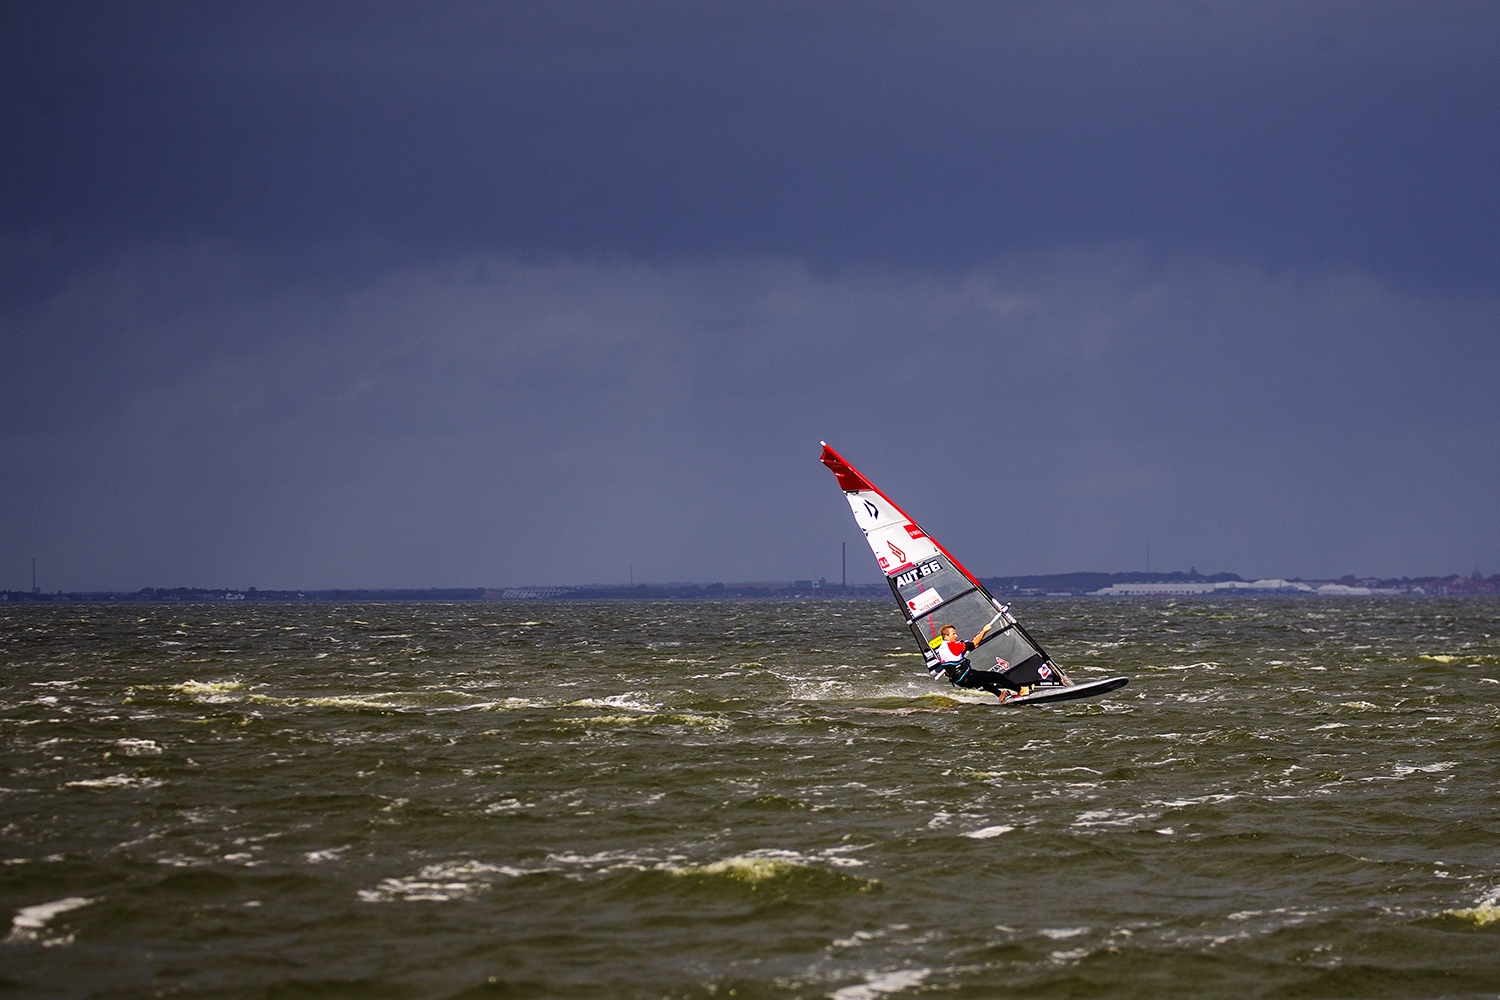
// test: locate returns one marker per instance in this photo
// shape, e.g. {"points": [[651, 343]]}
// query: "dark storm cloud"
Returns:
{"points": [[488, 421], [387, 295], [1296, 134]]}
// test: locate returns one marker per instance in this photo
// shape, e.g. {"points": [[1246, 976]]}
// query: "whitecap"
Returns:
{"points": [[30, 921], [116, 781], [882, 983], [854, 940], [630, 701], [1214, 797], [512, 703], [507, 806], [1107, 817], [213, 692], [833, 856], [439, 883], [1485, 911], [763, 865]]}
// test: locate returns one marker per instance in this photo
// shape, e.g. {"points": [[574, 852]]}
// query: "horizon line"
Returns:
{"points": [[1021, 581]]}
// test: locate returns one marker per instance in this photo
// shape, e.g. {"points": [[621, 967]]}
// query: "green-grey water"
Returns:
{"points": [[1293, 798]]}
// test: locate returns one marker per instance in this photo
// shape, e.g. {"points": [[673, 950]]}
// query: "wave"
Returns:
{"points": [[30, 923]]}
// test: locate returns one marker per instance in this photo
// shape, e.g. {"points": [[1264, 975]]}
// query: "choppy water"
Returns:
{"points": [[1294, 798]]}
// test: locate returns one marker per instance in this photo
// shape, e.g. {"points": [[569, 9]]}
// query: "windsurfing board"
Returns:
{"points": [[934, 592], [1088, 689]]}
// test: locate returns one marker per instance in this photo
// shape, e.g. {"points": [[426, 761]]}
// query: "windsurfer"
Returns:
{"points": [[953, 658]]}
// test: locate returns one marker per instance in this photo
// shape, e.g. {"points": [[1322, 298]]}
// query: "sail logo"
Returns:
{"points": [[895, 551], [924, 602], [914, 531], [911, 576], [874, 511]]}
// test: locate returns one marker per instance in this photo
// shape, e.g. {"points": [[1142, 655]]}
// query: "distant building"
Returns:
{"points": [[1186, 588], [527, 593], [1154, 589]]}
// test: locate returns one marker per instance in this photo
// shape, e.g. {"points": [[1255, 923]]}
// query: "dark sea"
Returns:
{"points": [[1292, 798]]}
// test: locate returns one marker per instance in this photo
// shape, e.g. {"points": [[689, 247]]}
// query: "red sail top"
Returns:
{"points": [[849, 479]]}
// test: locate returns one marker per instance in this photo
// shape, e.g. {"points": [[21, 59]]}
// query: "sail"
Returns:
{"points": [[932, 588]]}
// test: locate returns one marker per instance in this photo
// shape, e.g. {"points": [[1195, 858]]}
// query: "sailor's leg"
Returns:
{"points": [[1035, 671], [989, 680]]}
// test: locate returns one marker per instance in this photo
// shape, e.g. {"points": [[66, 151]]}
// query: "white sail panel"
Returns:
{"points": [[895, 539]]}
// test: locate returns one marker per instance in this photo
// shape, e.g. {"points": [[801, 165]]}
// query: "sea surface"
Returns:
{"points": [[1292, 798]]}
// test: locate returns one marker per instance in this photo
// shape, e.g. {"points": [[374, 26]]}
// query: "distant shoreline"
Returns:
{"points": [[1128, 585]]}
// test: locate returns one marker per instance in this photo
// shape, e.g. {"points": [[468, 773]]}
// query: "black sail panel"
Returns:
{"points": [[970, 613]]}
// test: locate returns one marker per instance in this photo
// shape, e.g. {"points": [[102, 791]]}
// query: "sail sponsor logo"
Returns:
{"points": [[895, 551], [924, 602], [874, 511], [914, 531], [916, 573]]}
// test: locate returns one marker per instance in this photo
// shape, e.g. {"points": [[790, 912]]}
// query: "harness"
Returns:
{"points": [[954, 670]]}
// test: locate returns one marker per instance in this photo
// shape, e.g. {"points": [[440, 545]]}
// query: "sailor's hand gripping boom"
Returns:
{"points": [[987, 627]]}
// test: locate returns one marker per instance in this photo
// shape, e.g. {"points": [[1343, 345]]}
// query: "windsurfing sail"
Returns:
{"points": [[932, 588]]}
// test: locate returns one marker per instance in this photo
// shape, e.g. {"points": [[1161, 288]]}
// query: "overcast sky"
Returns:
{"points": [[388, 295]]}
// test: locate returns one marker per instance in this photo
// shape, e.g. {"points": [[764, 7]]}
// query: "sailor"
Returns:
{"points": [[953, 659]]}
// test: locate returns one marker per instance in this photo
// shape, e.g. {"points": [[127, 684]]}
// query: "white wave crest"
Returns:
{"points": [[116, 781], [29, 923], [882, 983], [440, 883], [139, 748]]}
